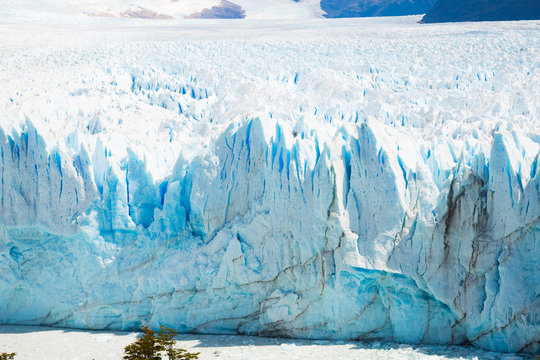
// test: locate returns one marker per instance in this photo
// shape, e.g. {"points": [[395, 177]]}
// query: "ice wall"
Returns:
{"points": [[254, 240], [155, 196]]}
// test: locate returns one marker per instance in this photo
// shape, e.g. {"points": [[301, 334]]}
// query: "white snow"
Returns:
{"points": [[33, 342], [84, 10]]}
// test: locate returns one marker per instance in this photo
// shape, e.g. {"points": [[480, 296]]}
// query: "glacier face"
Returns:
{"points": [[364, 179]]}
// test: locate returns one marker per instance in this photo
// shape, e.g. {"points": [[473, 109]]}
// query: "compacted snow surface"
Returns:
{"points": [[327, 179], [33, 342]]}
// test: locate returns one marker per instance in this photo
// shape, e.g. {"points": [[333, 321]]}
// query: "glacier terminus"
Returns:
{"points": [[352, 179]]}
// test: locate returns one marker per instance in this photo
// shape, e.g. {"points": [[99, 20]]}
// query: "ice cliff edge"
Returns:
{"points": [[357, 238]]}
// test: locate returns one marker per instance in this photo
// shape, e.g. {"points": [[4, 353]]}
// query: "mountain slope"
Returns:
{"points": [[215, 9], [161, 9], [483, 10], [366, 8]]}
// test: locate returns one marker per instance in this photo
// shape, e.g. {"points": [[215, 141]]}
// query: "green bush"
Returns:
{"points": [[6, 356], [150, 347]]}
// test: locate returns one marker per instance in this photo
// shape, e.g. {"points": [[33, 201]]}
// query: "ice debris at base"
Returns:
{"points": [[69, 344], [348, 182]]}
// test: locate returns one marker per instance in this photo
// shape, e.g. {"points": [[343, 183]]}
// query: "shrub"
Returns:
{"points": [[149, 346], [6, 356], [144, 348]]}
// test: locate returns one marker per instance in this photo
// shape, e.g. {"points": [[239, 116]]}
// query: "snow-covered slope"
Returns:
{"points": [[80, 10], [179, 9], [351, 179]]}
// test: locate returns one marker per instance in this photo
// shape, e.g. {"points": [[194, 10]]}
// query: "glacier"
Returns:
{"points": [[356, 179]]}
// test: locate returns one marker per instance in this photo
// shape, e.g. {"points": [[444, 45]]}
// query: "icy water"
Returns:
{"points": [[44, 343]]}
